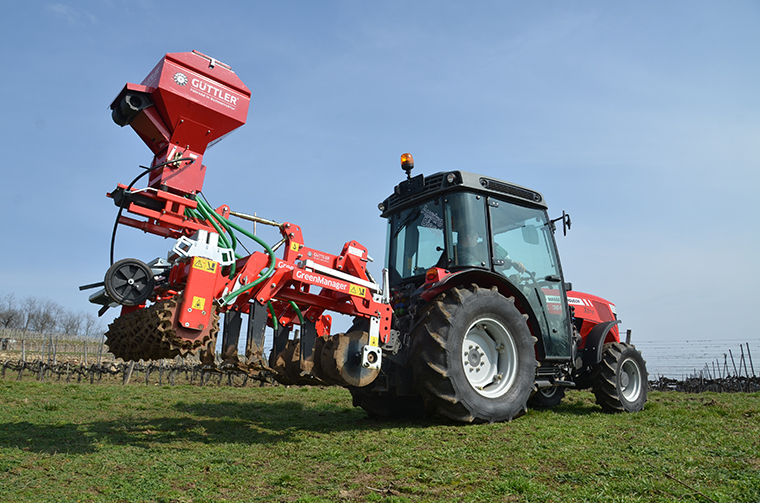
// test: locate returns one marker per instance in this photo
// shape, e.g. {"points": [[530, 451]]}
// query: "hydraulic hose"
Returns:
{"points": [[232, 241], [208, 213], [298, 311], [265, 273], [275, 324], [129, 187], [207, 216], [205, 211]]}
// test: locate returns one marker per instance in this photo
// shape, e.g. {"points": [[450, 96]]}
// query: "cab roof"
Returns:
{"points": [[420, 187]]}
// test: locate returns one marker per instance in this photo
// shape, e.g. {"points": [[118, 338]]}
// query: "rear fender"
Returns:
{"points": [[487, 279]]}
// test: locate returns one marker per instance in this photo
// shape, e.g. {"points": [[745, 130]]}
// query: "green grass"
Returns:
{"points": [[80, 442]]}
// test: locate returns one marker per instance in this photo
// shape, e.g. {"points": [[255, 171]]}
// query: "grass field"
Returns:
{"points": [[80, 442]]}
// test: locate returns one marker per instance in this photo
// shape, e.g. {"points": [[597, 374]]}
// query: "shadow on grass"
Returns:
{"points": [[231, 421], [211, 423], [577, 408]]}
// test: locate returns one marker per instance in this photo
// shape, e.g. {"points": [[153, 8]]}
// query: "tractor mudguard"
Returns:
{"points": [[481, 277], [485, 279], [592, 352]]}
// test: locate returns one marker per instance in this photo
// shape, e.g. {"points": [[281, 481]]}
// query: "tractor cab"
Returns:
{"points": [[459, 227]]}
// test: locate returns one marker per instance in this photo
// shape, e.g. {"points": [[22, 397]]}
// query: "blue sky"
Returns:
{"points": [[640, 119]]}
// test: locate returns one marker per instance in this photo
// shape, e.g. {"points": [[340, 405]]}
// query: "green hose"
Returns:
{"points": [[222, 221], [265, 273], [274, 318], [205, 211], [207, 215], [298, 311]]}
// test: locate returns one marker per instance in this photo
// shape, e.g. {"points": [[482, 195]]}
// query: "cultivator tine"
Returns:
{"points": [[281, 336], [308, 339], [230, 338], [254, 346], [207, 356]]}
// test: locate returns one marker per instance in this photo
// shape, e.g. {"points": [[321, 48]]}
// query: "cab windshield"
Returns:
{"points": [[416, 237]]}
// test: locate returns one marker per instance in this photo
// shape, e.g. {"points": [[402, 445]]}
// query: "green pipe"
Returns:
{"points": [[209, 214], [212, 216], [298, 311], [222, 237], [260, 241], [222, 221], [265, 273], [274, 318]]}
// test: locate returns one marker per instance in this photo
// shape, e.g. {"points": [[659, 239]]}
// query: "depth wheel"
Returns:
{"points": [[474, 357], [340, 360], [129, 282], [620, 381]]}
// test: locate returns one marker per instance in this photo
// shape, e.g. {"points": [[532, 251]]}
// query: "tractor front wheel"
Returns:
{"points": [[546, 398], [620, 381], [473, 356]]}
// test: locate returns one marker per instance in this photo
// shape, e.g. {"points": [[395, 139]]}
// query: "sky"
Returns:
{"points": [[640, 119]]}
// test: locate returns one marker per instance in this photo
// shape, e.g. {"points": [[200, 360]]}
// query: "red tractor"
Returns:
{"points": [[484, 322], [473, 319]]}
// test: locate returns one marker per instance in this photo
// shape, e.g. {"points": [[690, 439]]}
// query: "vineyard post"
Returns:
{"points": [[42, 356], [100, 349], [128, 373], [733, 363], [750, 361], [725, 364]]}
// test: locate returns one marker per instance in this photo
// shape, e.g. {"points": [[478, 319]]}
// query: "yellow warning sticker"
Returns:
{"points": [[294, 246], [199, 303], [357, 290], [204, 264], [373, 341]]}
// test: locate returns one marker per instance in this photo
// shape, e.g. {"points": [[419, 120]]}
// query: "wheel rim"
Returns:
{"points": [[130, 282], [489, 357], [630, 380], [548, 392]]}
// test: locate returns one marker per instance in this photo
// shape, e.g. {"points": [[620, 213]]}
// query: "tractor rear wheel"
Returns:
{"points": [[473, 356], [546, 398], [620, 380]]}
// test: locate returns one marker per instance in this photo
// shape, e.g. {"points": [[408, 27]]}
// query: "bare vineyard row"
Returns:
{"points": [[160, 373], [48, 357]]}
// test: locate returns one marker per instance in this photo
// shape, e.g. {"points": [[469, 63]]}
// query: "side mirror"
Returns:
{"points": [[566, 222]]}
